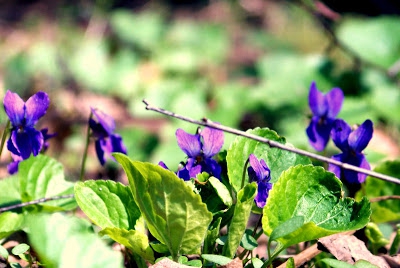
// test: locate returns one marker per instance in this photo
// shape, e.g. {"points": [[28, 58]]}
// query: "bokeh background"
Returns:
{"points": [[242, 63]]}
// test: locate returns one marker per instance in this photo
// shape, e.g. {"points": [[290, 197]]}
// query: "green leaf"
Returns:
{"points": [[10, 222], [394, 248], [4, 252], [64, 241], [42, 176], [387, 210], [375, 236], [287, 227], [12, 195], [290, 263], [107, 203], [237, 227], [364, 264], [212, 235], [134, 240], [277, 160], [20, 249], [336, 263], [315, 194], [221, 191], [257, 263], [217, 259], [374, 39], [174, 214], [248, 241]]}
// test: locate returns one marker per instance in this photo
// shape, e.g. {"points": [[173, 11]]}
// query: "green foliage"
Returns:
{"points": [[375, 236], [64, 241], [386, 210], [174, 214], [310, 198], [276, 159], [237, 226], [10, 222], [107, 203], [42, 176], [374, 40]]}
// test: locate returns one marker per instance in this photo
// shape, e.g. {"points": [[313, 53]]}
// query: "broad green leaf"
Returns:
{"points": [[12, 195], [375, 236], [42, 176], [387, 210], [107, 203], [20, 249], [10, 222], [217, 259], [290, 263], [287, 227], [277, 160], [134, 240], [315, 194], [174, 214], [237, 227], [63, 241], [374, 39]]}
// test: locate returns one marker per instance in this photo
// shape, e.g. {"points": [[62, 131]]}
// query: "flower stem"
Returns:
{"points": [[208, 123], [4, 136], [85, 152]]}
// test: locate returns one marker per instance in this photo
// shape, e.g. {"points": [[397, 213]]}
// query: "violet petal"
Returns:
{"points": [[36, 107], [190, 144], [359, 138]]}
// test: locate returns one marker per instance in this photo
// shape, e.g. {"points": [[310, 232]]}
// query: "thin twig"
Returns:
{"points": [[34, 202], [208, 123], [383, 198]]}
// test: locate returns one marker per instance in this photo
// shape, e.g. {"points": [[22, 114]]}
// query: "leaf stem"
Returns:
{"points": [[208, 123], [85, 152], [34, 202], [4, 136]]}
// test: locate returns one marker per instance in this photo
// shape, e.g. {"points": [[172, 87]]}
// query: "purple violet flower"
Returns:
{"points": [[200, 148], [351, 143], [182, 172], [107, 141], [25, 139], [325, 108], [259, 172]]}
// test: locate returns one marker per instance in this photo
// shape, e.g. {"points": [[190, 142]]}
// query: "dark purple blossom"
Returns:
{"points": [[25, 139], [260, 173], [325, 108], [200, 148], [182, 172], [351, 143], [107, 141]]}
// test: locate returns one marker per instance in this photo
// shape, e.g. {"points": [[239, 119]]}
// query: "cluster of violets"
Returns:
{"points": [[324, 125], [200, 149], [25, 140]]}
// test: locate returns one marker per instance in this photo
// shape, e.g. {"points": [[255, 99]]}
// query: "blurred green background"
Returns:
{"points": [[241, 63]]}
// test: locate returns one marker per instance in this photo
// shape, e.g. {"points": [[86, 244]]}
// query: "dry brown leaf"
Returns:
{"points": [[350, 249]]}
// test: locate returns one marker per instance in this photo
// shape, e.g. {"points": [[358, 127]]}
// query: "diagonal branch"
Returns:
{"points": [[208, 123], [34, 202]]}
